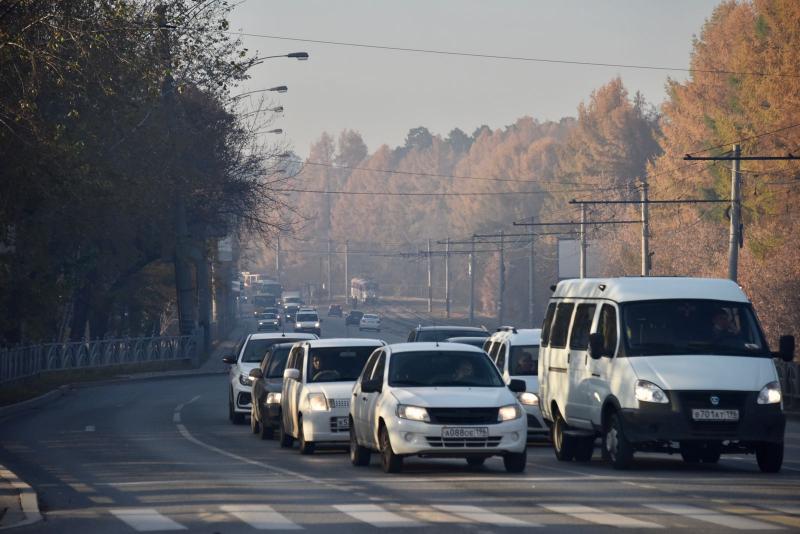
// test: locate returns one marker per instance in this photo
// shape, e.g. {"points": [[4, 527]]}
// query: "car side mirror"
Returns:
{"points": [[256, 373], [291, 374], [371, 386], [230, 360], [596, 344], [786, 348], [517, 386]]}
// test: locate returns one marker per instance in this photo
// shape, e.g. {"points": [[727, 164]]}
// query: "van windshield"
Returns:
{"points": [[688, 326]]}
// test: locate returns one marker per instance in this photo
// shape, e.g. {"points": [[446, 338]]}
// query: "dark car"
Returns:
{"points": [[268, 321], [289, 312], [440, 333], [354, 317], [265, 411], [475, 341], [335, 310]]}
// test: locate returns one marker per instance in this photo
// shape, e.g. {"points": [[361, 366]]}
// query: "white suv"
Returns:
{"points": [[248, 356], [436, 399], [317, 387], [307, 320], [516, 355]]}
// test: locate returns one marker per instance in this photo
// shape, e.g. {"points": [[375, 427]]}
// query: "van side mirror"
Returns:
{"points": [[517, 386], [291, 374], [256, 373], [786, 348], [596, 345], [371, 386], [230, 360]]}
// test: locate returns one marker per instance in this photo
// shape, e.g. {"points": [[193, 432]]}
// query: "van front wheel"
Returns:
{"points": [[563, 445], [769, 456], [619, 449]]}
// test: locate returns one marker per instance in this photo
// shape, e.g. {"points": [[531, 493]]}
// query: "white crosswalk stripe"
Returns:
{"points": [[146, 519], [376, 515], [481, 515], [260, 517], [786, 509], [593, 515], [712, 516]]}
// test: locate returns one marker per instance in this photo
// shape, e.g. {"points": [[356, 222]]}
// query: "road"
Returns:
{"points": [[161, 455]]}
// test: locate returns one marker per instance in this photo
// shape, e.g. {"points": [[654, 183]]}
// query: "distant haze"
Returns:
{"points": [[382, 94]]}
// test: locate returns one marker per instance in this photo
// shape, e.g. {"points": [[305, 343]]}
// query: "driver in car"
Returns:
{"points": [[464, 371]]}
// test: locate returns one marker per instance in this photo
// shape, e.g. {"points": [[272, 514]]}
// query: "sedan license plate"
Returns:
{"points": [[715, 415], [342, 423], [462, 432]]}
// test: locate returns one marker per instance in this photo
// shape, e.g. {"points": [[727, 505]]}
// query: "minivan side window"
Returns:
{"points": [[367, 372], [501, 357], [493, 351], [558, 333], [486, 345], [548, 322], [579, 338], [377, 374], [607, 325]]}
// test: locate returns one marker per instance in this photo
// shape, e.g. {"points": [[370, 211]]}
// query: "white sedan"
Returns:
{"points": [[436, 399], [370, 321]]}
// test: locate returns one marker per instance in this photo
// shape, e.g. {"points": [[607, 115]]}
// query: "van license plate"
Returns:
{"points": [[715, 415], [461, 432]]}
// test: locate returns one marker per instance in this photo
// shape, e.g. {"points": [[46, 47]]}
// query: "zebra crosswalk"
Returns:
{"points": [[649, 516]]}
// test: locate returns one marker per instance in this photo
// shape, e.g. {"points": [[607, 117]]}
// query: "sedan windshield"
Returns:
{"points": [[449, 368], [691, 327], [307, 317], [440, 334], [267, 316], [255, 349], [337, 364], [277, 361]]}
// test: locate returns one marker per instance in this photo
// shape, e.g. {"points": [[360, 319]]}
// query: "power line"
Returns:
{"points": [[435, 194], [505, 57], [743, 139]]}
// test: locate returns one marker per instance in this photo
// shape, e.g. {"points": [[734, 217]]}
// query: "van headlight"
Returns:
{"points": [[509, 413], [770, 394], [245, 380], [317, 402], [648, 392], [274, 397], [413, 413], [528, 399], [316, 325]]}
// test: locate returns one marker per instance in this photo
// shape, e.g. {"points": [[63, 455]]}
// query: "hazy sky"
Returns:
{"points": [[382, 94]]}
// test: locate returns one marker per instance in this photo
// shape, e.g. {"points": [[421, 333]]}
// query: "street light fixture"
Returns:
{"points": [[300, 56], [276, 89]]}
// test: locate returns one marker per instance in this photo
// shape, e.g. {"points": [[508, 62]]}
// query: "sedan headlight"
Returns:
{"points": [[316, 325], [274, 397], [413, 413], [509, 413], [770, 394], [648, 392], [245, 380], [317, 402], [528, 399]]}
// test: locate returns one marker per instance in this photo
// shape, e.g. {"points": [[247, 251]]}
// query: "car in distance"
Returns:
{"points": [[247, 356], [353, 317], [440, 333], [289, 312], [335, 310], [307, 321], [317, 388], [436, 399], [370, 321], [468, 340], [265, 414], [268, 321]]}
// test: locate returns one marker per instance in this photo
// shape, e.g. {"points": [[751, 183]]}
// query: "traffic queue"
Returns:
{"points": [[632, 365]]}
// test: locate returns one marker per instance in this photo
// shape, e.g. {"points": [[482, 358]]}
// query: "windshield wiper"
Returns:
{"points": [[408, 383]]}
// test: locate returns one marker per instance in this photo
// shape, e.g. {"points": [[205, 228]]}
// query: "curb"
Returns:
{"points": [[28, 500], [35, 402]]}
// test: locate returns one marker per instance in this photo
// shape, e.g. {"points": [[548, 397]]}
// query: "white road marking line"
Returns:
{"points": [[89, 428], [376, 516], [176, 417], [28, 499], [593, 515], [712, 516], [786, 509], [481, 515], [260, 517], [146, 519]]}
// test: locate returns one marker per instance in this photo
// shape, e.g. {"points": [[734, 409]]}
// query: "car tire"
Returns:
{"points": [[306, 447], [515, 462], [359, 456], [390, 462], [476, 461], [563, 445], [236, 418], [583, 449], [620, 451], [267, 432], [769, 456], [286, 440]]}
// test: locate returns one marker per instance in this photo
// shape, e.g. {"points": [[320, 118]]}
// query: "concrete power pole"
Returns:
{"points": [[645, 230], [502, 282], [447, 279], [278, 259], [583, 242], [346, 270], [330, 280], [531, 275], [735, 238], [472, 283], [430, 279]]}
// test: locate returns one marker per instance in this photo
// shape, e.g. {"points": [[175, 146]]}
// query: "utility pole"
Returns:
{"points": [[502, 285], [330, 280], [531, 274], [278, 259], [736, 217], [346, 270], [472, 283], [583, 242], [430, 279], [645, 230], [447, 279]]}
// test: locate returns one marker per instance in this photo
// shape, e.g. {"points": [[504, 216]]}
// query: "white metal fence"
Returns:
{"points": [[789, 373], [21, 362]]}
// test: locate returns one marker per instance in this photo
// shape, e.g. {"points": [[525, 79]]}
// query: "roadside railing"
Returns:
{"points": [[789, 373], [26, 361]]}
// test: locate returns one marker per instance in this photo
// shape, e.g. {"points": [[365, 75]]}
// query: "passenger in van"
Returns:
{"points": [[525, 364], [723, 330]]}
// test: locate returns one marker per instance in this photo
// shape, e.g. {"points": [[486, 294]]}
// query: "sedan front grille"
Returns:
{"points": [[463, 443], [463, 416]]}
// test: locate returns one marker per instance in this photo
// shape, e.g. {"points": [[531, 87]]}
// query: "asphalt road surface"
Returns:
{"points": [[161, 455]]}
